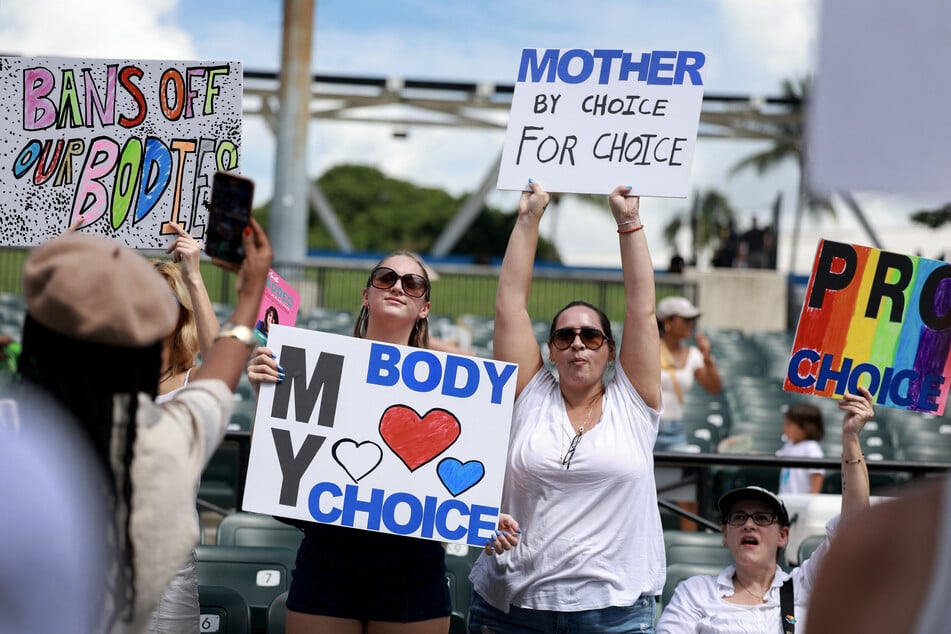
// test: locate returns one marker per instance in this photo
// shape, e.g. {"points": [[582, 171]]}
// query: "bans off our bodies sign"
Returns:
{"points": [[128, 145]]}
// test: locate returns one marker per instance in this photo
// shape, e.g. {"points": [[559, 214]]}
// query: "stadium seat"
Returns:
{"points": [[254, 529], [223, 610], [277, 614], [678, 572], [460, 588], [258, 573], [695, 547], [808, 546]]}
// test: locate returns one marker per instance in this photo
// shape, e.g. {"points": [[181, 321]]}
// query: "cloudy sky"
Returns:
{"points": [[751, 46]]}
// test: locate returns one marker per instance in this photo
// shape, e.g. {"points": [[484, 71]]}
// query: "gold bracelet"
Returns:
{"points": [[856, 461]]}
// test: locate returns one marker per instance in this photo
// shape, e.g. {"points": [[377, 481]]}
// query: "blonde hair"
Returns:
{"points": [[184, 352], [419, 336]]}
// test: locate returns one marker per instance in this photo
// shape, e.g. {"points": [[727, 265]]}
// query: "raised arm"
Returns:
{"points": [[513, 337], [227, 358], [185, 249], [855, 487], [639, 355]]}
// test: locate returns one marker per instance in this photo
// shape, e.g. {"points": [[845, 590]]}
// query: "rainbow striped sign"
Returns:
{"points": [[878, 319]]}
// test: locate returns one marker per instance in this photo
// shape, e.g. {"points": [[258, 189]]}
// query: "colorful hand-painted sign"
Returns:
{"points": [[128, 145], [381, 437], [279, 305], [878, 319], [586, 121]]}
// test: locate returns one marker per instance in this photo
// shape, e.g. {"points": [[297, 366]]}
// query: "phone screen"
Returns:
{"points": [[230, 213]]}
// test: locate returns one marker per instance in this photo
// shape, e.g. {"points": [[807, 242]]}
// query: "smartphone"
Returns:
{"points": [[228, 215]]}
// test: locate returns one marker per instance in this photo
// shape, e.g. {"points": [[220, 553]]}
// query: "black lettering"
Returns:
{"points": [[827, 280], [326, 375], [293, 467], [881, 287]]}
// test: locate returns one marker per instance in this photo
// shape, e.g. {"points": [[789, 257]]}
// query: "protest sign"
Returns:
{"points": [[279, 305], [586, 121], [878, 319], [381, 437], [130, 145]]}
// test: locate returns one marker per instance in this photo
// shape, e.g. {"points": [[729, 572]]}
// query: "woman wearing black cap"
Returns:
{"points": [[746, 596]]}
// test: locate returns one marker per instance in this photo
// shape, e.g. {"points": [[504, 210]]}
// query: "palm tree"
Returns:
{"points": [[788, 135], [711, 216]]}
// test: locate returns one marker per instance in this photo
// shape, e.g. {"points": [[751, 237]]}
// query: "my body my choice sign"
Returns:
{"points": [[381, 437], [586, 121]]}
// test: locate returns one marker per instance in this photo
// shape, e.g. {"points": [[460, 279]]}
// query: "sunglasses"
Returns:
{"points": [[760, 519], [385, 278], [592, 338]]}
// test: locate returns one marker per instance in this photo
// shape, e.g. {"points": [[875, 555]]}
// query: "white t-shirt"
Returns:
{"points": [[799, 480], [591, 534], [673, 408], [697, 606]]}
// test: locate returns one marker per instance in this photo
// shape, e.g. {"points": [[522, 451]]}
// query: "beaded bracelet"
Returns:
{"points": [[856, 461], [637, 228]]}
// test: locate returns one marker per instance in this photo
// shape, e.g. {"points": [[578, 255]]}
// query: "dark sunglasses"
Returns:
{"points": [[384, 278], [592, 338]]}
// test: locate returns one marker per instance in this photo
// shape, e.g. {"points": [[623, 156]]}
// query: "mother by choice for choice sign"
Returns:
{"points": [[586, 121], [381, 437]]}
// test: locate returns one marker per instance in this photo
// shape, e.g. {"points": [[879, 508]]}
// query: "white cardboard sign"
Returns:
{"points": [[381, 437], [130, 145], [585, 121]]}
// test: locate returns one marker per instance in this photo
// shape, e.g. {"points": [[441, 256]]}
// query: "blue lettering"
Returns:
{"points": [[26, 158], [313, 502], [658, 66], [531, 64], [498, 381], [856, 377], [389, 513], [477, 523], [156, 175], [373, 507], [797, 379], [453, 365], [381, 369], [839, 377], [429, 516], [886, 385], [442, 517], [663, 68], [903, 400], [930, 389], [429, 383]]}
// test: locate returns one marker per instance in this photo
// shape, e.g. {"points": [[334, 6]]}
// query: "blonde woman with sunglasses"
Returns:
{"points": [[351, 581], [580, 473]]}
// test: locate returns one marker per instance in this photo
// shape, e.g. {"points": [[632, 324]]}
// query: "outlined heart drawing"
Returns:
{"points": [[417, 439], [459, 477], [358, 459]]}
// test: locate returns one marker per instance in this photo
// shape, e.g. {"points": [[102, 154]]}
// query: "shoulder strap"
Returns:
{"points": [[667, 363], [787, 611]]}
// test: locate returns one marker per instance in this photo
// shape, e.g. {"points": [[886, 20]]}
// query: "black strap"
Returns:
{"points": [[787, 610]]}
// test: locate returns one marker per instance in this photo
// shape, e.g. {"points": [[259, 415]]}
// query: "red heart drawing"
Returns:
{"points": [[417, 440]]}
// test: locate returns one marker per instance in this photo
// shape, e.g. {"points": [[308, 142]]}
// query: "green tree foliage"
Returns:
{"points": [[383, 214], [715, 214], [933, 218]]}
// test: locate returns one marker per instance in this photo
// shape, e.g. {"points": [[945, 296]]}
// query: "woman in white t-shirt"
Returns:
{"points": [[580, 473], [803, 429], [681, 364]]}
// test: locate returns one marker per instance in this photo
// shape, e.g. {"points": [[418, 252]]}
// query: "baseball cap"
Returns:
{"points": [[676, 306], [93, 289], [728, 499]]}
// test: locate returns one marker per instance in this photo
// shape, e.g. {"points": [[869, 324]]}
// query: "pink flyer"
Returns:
{"points": [[279, 305]]}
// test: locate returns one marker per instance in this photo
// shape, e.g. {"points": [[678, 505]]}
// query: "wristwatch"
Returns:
{"points": [[240, 332]]}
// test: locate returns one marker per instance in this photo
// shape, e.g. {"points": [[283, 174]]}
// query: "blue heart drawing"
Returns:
{"points": [[458, 477]]}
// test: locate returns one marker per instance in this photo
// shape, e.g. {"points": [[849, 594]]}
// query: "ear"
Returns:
{"points": [[783, 536], [424, 311], [723, 534], [366, 298]]}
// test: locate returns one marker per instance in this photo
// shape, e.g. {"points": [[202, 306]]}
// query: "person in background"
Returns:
{"points": [[579, 481], [96, 316], [178, 612], [891, 571], [681, 364], [348, 580], [803, 429], [747, 595]]}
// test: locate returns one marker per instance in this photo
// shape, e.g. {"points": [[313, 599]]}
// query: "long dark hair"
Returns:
{"points": [[99, 384], [419, 336]]}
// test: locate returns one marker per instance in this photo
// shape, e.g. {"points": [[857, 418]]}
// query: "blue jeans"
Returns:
{"points": [[671, 436], [484, 619]]}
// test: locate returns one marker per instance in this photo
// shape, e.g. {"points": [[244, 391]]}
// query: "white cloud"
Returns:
{"points": [[119, 29]]}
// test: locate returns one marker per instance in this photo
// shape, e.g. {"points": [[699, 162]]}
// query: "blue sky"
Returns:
{"points": [[751, 45]]}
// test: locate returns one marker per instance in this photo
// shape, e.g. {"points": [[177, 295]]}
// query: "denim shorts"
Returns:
{"points": [[356, 574], [484, 619]]}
